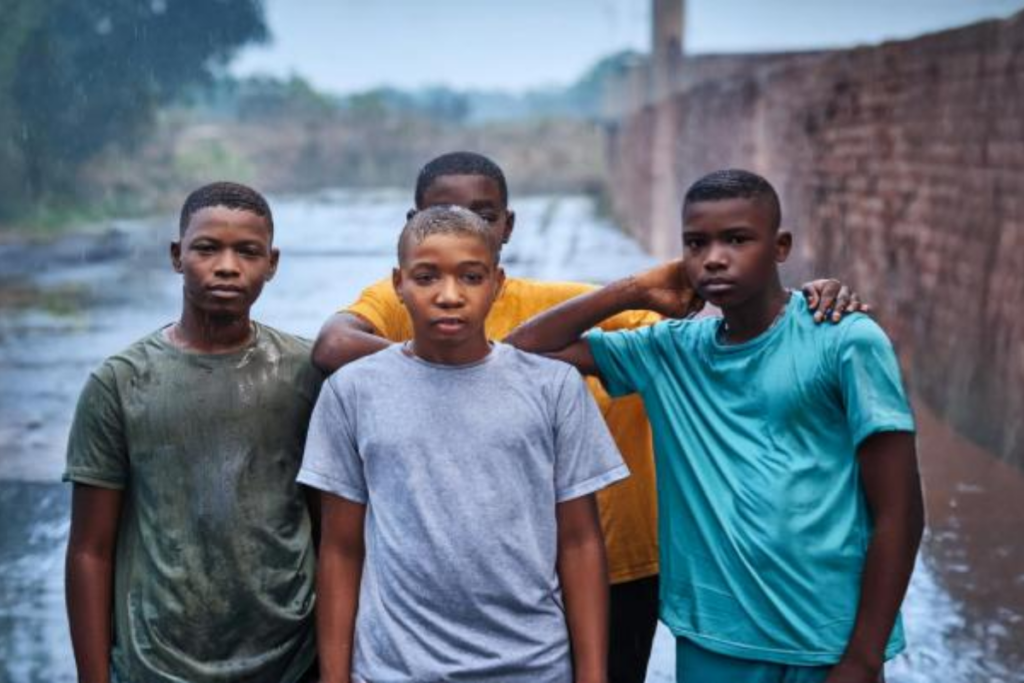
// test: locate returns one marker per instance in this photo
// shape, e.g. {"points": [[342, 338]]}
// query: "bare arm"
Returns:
{"points": [[89, 578], [339, 573], [583, 572], [345, 338], [557, 332], [892, 486]]}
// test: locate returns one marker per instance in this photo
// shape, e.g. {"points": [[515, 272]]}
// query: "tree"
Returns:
{"points": [[77, 77]]}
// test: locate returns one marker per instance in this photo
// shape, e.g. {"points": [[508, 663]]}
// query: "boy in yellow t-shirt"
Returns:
{"points": [[628, 509]]}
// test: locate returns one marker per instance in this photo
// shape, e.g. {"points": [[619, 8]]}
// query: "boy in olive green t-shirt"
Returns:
{"points": [[191, 553]]}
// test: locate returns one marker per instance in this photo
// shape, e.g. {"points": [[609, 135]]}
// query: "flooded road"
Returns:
{"points": [[64, 308]]}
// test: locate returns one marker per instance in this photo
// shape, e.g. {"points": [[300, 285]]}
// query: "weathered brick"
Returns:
{"points": [[902, 167]]}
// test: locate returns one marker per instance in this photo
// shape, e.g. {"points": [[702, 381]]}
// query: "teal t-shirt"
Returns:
{"points": [[762, 519], [214, 571]]}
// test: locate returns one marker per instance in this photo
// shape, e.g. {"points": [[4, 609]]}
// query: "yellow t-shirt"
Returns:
{"points": [[628, 509]]}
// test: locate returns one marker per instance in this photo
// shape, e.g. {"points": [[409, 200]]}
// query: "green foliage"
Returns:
{"points": [[78, 77]]}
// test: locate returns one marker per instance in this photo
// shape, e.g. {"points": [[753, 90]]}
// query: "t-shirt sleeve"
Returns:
{"points": [[97, 450], [623, 359], [869, 378], [379, 305], [586, 458], [331, 461]]}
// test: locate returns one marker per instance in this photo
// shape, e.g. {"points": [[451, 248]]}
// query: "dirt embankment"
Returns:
{"points": [[297, 154]]}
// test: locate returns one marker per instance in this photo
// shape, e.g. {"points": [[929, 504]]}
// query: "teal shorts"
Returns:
{"points": [[694, 664]]}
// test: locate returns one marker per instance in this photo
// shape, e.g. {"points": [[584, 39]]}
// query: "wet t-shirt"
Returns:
{"points": [[214, 567], [764, 523], [461, 469]]}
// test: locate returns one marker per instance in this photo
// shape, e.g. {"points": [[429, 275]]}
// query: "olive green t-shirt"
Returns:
{"points": [[215, 563]]}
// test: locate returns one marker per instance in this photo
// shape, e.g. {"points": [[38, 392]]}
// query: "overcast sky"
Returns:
{"points": [[349, 45]]}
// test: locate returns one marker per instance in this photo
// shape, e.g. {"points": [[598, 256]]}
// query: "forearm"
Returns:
{"points": [[344, 339], [338, 577], [887, 570], [583, 574], [892, 488], [584, 577], [561, 326], [89, 589]]}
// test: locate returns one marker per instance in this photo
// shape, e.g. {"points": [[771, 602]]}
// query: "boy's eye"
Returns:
{"points": [[692, 243], [473, 278], [204, 248], [423, 278], [488, 216]]}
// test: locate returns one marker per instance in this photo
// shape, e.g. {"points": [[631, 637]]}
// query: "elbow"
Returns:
{"points": [[324, 355], [80, 555]]}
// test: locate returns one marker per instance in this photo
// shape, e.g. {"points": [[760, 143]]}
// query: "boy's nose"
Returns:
{"points": [[227, 264], [448, 294], [716, 258]]}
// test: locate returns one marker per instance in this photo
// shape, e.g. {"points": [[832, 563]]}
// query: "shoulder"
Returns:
{"points": [[137, 358], [531, 363], [542, 376], [544, 294], [859, 331], [381, 291], [285, 342], [368, 371], [663, 332]]}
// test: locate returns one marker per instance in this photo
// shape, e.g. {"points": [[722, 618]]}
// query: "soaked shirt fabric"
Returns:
{"points": [[628, 510], [763, 522], [215, 564], [461, 469]]}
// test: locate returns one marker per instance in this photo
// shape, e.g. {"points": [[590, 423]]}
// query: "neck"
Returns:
{"points": [[464, 353], [202, 333], [755, 315]]}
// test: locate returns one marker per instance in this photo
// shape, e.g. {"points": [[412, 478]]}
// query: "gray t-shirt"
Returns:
{"points": [[215, 562], [461, 468]]}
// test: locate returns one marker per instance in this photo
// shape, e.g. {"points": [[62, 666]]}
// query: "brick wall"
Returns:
{"points": [[901, 170]]}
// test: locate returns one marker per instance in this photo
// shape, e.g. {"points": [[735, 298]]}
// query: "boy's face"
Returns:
{"points": [[730, 249], [448, 283], [479, 194], [225, 256]]}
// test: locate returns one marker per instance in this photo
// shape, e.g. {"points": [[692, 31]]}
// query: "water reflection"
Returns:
{"points": [[67, 307]]}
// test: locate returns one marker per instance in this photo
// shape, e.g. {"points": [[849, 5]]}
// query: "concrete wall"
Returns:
{"points": [[901, 170]]}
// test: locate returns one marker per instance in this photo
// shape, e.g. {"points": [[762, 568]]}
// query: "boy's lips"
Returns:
{"points": [[448, 325], [225, 291], [717, 286]]}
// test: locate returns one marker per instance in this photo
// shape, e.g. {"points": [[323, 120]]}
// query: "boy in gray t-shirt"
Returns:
{"points": [[460, 539]]}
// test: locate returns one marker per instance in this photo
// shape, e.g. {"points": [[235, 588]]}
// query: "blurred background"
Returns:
{"points": [[893, 130]]}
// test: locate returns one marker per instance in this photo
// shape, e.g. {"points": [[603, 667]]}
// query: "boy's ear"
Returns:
{"points": [[396, 282], [510, 224], [499, 281], [783, 245], [275, 258], [176, 256]]}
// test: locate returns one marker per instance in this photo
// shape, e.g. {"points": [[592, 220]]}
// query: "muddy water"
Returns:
{"points": [[66, 306]]}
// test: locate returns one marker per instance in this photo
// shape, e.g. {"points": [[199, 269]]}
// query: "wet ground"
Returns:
{"points": [[64, 307]]}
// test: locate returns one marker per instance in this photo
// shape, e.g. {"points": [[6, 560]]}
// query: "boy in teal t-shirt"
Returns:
{"points": [[790, 507]]}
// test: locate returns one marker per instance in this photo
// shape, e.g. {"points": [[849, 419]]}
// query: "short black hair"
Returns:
{"points": [[447, 220], [734, 183], [228, 194], [459, 163]]}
